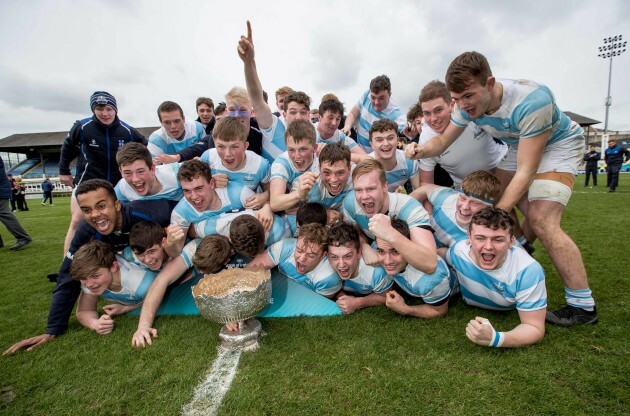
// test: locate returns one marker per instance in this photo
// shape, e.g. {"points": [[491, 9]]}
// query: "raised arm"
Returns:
{"points": [[419, 251], [351, 118], [436, 146], [173, 270], [254, 88], [423, 192]]}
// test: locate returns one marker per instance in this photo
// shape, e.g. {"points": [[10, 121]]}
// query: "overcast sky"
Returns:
{"points": [[54, 54]]}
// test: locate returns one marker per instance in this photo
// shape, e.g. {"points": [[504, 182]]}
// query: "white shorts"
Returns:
{"points": [[563, 156]]}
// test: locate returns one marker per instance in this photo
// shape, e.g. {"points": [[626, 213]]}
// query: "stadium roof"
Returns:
{"points": [[581, 120], [45, 142]]}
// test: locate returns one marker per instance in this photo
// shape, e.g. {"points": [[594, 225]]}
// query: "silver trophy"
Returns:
{"points": [[235, 295]]}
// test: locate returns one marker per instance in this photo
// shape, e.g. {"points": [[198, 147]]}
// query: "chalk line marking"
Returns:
{"points": [[209, 394]]}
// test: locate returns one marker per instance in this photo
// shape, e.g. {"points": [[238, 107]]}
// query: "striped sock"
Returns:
{"points": [[580, 298]]}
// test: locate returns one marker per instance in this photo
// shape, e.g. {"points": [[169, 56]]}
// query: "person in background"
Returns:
{"points": [[47, 188], [94, 141], [11, 198], [6, 216], [21, 195], [591, 158], [614, 156], [205, 111]]}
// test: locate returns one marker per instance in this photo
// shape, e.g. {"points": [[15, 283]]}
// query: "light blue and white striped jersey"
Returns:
{"points": [[369, 279], [188, 252], [283, 168], [401, 206], [321, 195], [518, 283], [368, 115], [273, 143], [232, 199], [443, 221], [338, 136], [527, 109], [457, 159], [220, 224], [135, 282], [291, 224], [323, 279], [404, 170], [254, 173], [166, 175], [161, 143], [432, 288]]}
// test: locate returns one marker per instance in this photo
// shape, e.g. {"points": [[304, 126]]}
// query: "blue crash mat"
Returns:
{"points": [[288, 298]]}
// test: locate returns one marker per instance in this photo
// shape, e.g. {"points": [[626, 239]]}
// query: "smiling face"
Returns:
{"points": [[335, 176], [153, 257], [476, 99], [384, 144], [328, 124], [296, 111], [232, 153], [345, 260], [173, 123], [489, 248], [466, 207], [140, 177], [101, 280], [391, 260], [105, 114], [205, 113], [199, 193], [370, 193], [437, 114], [100, 210], [301, 154], [307, 256]]}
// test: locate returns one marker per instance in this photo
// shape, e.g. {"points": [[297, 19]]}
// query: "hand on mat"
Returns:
{"points": [[347, 304], [395, 302]]}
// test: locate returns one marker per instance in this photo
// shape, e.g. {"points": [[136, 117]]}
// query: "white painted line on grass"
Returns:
{"points": [[209, 394]]}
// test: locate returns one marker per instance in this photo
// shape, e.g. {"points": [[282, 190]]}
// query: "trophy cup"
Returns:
{"points": [[235, 295]]}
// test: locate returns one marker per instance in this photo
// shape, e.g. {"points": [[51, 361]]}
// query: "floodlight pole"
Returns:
{"points": [[608, 97], [613, 46]]}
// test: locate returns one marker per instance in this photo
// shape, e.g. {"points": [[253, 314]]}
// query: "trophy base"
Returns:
{"points": [[245, 339]]}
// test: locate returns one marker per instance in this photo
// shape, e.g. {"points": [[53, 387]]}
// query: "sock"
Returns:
{"points": [[521, 240], [580, 298]]}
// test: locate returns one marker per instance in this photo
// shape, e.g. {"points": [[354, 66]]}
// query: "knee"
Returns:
{"points": [[542, 225]]}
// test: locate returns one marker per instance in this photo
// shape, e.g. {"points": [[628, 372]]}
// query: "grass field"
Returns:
{"points": [[372, 362]]}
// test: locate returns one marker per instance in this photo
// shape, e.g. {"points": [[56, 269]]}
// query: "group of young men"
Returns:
{"points": [[328, 211]]}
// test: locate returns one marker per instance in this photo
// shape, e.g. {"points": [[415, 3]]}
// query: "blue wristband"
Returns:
{"points": [[498, 339]]}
